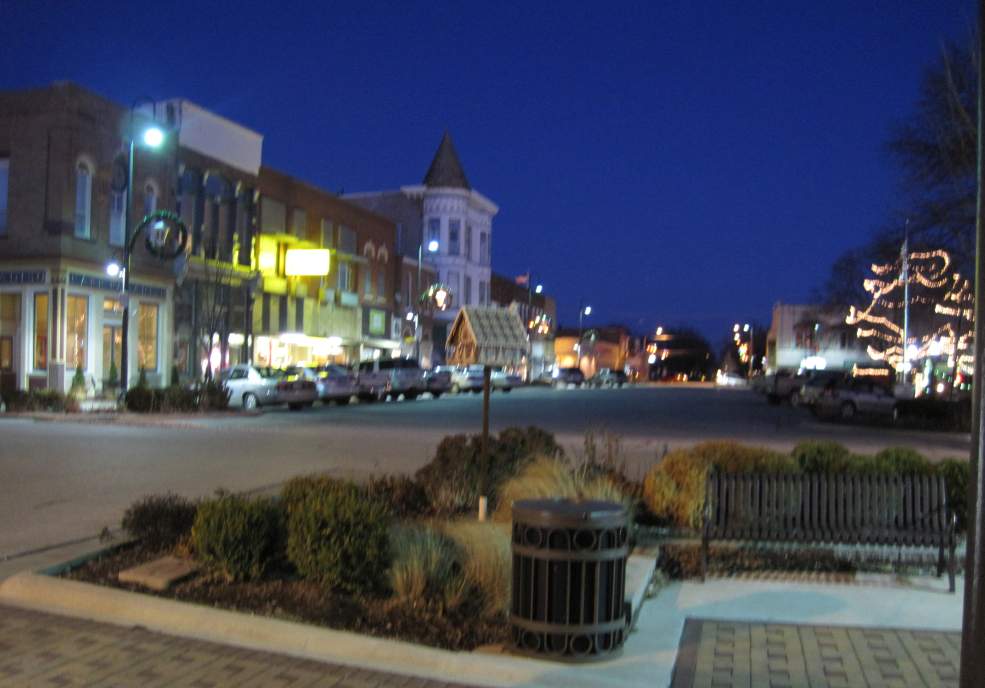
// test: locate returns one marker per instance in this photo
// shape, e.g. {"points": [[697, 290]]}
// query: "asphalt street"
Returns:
{"points": [[67, 479]]}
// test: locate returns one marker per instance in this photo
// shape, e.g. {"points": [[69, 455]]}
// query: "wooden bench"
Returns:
{"points": [[837, 509]]}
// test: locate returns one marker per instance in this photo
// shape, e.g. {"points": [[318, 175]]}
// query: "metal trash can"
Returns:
{"points": [[569, 579]]}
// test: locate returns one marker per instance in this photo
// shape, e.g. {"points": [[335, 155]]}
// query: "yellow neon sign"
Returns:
{"points": [[306, 262]]}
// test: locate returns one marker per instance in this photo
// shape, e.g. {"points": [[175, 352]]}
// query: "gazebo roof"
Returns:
{"points": [[486, 335]]}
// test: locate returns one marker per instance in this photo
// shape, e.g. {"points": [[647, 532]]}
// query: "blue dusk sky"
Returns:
{"points": [[667, 162]]}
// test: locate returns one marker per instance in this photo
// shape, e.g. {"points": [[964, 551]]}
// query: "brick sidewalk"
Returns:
{"points": [[730, 654], [38, 649]]}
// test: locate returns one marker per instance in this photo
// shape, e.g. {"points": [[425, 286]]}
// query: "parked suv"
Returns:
{"points": [[568, 376], [391, 378], [849, 398], [606, 377], [249, 386]]}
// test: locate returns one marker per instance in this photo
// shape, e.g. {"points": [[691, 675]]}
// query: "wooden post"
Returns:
{"points": [[486, 377]]}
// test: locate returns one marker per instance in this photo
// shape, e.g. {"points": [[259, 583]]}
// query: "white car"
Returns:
{"points": [[391, 378], [503, 381], [464, 378], [249, 387]]}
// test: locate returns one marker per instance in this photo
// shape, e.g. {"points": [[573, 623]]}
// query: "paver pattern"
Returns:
{"points": [[38, 649], [728, 654]]}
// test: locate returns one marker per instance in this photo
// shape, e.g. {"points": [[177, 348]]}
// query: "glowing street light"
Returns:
{"points": [[153, 136], [433, 246], [539, 289], [113, 269]]}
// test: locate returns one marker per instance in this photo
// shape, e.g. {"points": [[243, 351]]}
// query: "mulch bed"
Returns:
{"points": [[283, 596]]}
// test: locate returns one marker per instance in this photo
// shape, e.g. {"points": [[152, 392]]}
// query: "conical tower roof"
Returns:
{"points": [[446, 169]]}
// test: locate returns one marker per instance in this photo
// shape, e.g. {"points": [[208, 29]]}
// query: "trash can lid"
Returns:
{"points": [[568, 510]]}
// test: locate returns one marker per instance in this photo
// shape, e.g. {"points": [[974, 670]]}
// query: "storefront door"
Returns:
{"points": [[112, 341]]}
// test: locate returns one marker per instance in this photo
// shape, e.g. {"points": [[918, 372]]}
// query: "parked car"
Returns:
{"points": [[250, 387], [729, 379], [504, 381], [391, 378], [464, 378], [814, 388], [437, 381], [606, 377], [335, 383], [849, 398], [782, 385], [564, 377], [296, 388]]}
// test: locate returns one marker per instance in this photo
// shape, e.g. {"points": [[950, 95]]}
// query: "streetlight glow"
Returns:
{"points": [[113, 269], [745, 328], [660, 331], [153, 136], [410, 315], [433, 246], [539, 288], [588, 310]]}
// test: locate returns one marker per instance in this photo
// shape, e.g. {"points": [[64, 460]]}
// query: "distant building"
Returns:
{"points": [[678, 356], [599, 347], [812, 337], [538, 312], [444, 209]]}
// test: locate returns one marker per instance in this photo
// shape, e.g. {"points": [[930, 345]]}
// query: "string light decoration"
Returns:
{"points": [[941, 312]]}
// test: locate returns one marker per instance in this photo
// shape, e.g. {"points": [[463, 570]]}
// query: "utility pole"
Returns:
{"points": [[973, 626], [905, 276]]}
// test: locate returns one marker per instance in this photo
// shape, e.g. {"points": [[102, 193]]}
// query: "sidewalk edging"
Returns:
{"points": [[110, 605]]}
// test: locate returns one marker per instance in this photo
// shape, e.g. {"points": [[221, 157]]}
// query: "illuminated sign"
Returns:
{"points": [[306, 261]]}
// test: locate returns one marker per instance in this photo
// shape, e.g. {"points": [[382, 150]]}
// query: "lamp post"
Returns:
{"points": [[583, 311], [432, 248], [152, 137], [531, 290]]}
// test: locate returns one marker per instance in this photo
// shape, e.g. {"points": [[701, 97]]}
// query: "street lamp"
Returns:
{"points": [[152, 137], [432, 248], [539, 289], [583, 311]]}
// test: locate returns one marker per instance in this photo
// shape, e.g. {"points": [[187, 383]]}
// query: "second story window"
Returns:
{"points": [[4, 184], [299, 223], [482, 293], [117, 209], [434, 230], [467, 298], [484, 248], [327, 240], [468, 242], [380, 283], [454, 230], [272, 216], [347, 240], [83, 201]]}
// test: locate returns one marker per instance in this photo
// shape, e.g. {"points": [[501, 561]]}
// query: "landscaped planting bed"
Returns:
{"points": [[397, 557]]}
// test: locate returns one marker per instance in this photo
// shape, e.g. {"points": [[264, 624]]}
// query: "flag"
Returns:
{"points": [[523, 279]]}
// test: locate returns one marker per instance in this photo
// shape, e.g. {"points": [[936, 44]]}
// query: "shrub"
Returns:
{"points": [[238, 535], [679, 495], [174, 400], [19, 401], [139, 399], [487, 561], [338, 537], [78, 388], [956, 473], [901, 461], [213, 395], [404, 497], [550, 478], [821, 456], [425, 567], [296, 490], [459, 473], [159, 521]]}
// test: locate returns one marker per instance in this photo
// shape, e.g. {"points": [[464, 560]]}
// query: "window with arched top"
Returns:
{"points": [[83, 201], [383, 255], [369, 250], [150, 198]]}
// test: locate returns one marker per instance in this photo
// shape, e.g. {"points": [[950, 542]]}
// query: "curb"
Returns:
{"points": [[109, 605]]}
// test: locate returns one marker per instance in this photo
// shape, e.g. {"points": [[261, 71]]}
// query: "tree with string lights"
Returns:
{"points": [[939, 320]]}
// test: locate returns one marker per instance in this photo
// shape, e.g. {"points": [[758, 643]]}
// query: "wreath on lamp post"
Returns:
{"points": [[438, 296]]}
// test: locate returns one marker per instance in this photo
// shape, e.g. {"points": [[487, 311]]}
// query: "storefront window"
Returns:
{"points": [[147, 336], [77, 315], [40, 331]]}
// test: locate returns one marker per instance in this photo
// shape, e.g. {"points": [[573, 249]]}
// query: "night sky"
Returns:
{"points": [[668, 162]]}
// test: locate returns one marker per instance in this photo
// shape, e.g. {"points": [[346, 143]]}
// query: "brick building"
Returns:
{"points": [[61, 223]]}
